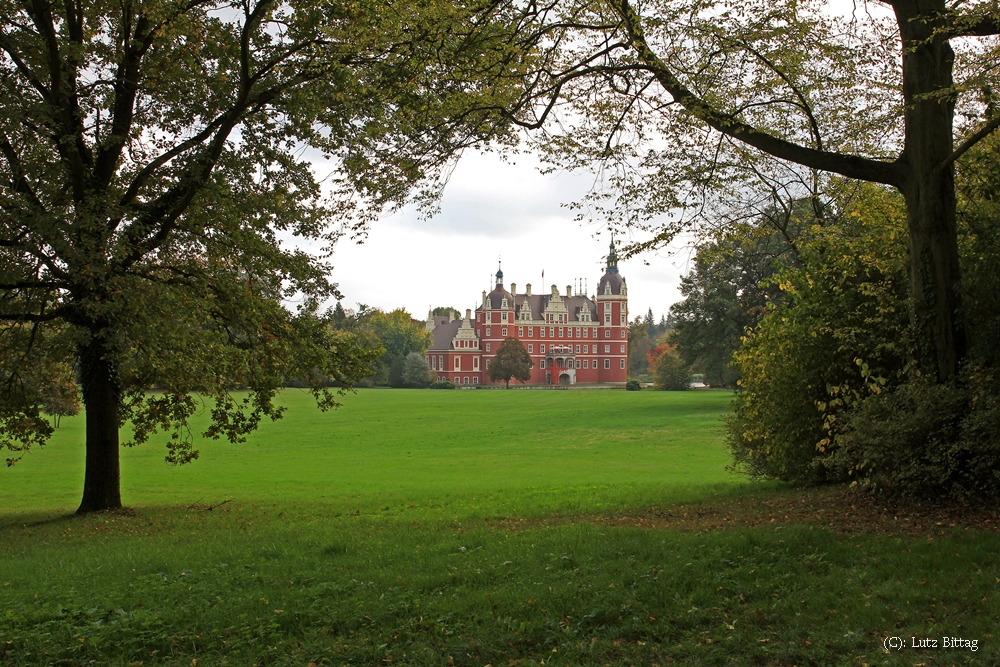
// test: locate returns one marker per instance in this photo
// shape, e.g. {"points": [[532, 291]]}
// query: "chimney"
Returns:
{"points": [[569, 290], [555, 291], [513, 290], [468, 314], [527, 289]]}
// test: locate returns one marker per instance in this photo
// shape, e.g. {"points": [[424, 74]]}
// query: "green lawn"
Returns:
{"points": [[466, 528], [527, 451]]}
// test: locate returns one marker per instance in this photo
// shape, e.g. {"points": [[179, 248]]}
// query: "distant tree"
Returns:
{"points": [[416, 372], [654, 353], [512, 361], [671, 372], [60, 393], [638, 345], [443, 311], [400, 335]]}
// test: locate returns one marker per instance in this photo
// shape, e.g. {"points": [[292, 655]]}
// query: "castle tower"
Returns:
{"points": [[612, 318]]}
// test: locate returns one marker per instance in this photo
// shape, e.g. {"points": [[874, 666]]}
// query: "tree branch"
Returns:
{"points": [[983, 132], [852, 166]]}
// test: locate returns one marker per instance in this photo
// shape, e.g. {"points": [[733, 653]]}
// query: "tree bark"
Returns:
{"points": [[929, 187], [101, 396]]}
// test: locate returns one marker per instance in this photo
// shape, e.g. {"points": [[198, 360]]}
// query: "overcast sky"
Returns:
{"points": [[494, 210]]}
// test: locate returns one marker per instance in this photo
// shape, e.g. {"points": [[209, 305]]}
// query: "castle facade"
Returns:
{"points": [[572, 338]]}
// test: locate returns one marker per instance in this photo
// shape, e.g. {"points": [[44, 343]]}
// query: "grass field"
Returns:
{"points": [[474, 528]]}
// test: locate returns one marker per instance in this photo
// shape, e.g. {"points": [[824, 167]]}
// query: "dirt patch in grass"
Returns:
{"points": [[835, 508]]}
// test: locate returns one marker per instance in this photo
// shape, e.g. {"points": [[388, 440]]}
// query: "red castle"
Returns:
{"points": [[572, 338]]}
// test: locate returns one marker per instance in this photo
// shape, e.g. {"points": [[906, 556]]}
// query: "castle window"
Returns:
{"points": [[607, 349], [520, 331], [622, 349], [586, 333], [585, 349], [487, 347], [475, 380], [487, 363], [607, 318], [578, 363], [607, 363], [465, 380], [503, 304], [560, 332], [475, 363], [607, 333], [503, 315], [552, 332], [503, 332], [530, 331], [621, 363], [458, 363], [541, 348], [541, 364], [586, 363], [578, 349], [623, 333], [456, 379], [623, 319]]}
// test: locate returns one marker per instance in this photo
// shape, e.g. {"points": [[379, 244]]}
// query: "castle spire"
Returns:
{"points": [[612, 257]]}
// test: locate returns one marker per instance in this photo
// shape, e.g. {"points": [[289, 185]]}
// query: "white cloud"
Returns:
{"points": [[492, 210]]}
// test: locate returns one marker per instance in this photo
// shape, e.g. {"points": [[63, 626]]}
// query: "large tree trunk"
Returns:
{"points": [[929, 187], [101, 395]]}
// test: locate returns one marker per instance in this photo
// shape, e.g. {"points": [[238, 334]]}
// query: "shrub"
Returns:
{"points": [[841, 328], [925, 441], [671, 373], [415, 371], [442, 384], [633, 385]]}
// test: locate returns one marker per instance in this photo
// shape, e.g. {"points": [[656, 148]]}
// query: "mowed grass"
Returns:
{"points": [[465, 528], [477, 450]]}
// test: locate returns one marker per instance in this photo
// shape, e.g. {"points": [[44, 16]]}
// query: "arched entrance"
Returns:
{"points": [[564, 379]]}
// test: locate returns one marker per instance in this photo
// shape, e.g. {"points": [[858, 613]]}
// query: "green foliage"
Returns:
{"points": [[919, 440], [923, 441], [633, 385], [400, 335], [511, 361], [443, 384], [841, 329], [671, 373], [416, 372], [730, 287], [443, 311]]}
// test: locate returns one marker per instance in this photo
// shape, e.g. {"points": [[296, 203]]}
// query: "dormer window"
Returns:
{"points": [[503, 304]]}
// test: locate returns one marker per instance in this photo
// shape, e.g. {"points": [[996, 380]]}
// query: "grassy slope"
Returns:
{"points": [[439, 560]]}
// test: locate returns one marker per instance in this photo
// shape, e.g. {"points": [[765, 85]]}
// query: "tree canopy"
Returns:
{"points": [[154, 156], [512, 361], [683, 101]]}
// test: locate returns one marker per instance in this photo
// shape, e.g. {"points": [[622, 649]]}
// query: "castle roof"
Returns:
{"points": [[443, 334]]}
